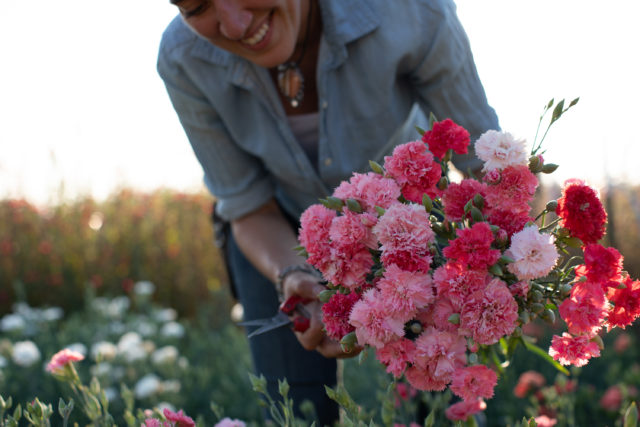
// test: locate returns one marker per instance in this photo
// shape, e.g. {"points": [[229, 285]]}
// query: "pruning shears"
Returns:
{"points": [[291, 313]]}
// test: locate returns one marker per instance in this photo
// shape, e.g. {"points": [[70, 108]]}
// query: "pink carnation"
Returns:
{"points": [[545, 421], [520, 289], [154, 422], [602, 264], [442, 311], [370, 190], [62, 359], [534, 253], [422, 378], [581, 211], [396, 355], [315, 223], [335, 314], [457, 282], [441, 353], [373, 321], [489, 314], [626, 304], [446, 135], [473, 382], [405, 234], [347, 266], [462, 410], [456, 196], [569, 350], [350, 230], [515, 190], [405, 292], [585, 310], [500, 150], [178, 418], [509, 221], [413, 167], [472, 247]]}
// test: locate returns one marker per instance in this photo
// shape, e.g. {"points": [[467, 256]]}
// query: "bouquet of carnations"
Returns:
{"points": [[440, 277]]}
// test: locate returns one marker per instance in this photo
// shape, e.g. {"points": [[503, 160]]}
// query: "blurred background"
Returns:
{"points": [[100, 191]]}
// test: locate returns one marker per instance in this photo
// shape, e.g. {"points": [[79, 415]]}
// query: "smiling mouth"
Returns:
{"points": [[259, 35]]}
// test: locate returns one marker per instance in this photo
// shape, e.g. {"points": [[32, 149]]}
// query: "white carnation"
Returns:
{"points": [[500, 149], [25, 353], [534, 253]]}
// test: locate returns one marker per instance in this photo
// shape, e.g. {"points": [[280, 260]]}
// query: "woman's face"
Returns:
{"points": [[263, 31]]}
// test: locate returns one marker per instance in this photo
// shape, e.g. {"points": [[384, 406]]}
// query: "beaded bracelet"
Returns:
{"points": [[305, 268]]}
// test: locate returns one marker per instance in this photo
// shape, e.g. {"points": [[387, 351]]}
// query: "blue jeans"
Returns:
{"points": [[278, 354]]}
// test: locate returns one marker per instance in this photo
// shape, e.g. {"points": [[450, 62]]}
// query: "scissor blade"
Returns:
{"points": [[277, 321]]}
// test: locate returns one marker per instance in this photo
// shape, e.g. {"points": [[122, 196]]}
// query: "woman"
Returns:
{"points": [[283, 99]]}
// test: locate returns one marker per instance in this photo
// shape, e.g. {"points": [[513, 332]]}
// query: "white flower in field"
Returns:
{"points": [[165, 315], [3, 362], [52, 314], [172, 330], [78, 347], [130, 339], [165, 405], [146, 328], [119, 306], [117, 328], [171, 386], [165, 355], [144, 288], [147, 386], [131, 347], [183, 362], [25, 353], [104, 350], [111, 393], [12, 322], [102, 369]]}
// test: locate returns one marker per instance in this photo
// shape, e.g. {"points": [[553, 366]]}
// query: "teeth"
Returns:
{"points": [[258, 36]]}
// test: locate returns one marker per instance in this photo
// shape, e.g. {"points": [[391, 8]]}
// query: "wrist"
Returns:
{"points": [[294, 268]]}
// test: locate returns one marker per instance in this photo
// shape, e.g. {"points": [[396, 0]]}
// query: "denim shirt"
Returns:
{"points": [[383, 66]]}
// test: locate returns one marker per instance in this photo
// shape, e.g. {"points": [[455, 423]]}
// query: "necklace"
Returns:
{"points": [[290, 78]]}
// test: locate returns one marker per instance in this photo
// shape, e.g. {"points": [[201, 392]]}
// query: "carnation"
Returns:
{"points": [[573, 350], [315, 223], [499, 150], [626, 304], [514, 191], [370, 190], [509, 221], [347, 265], [489, 314], [462, 410], [581, 211], [441, 353], [534, 253], [350, 230], [179, 419], [335, 314], [62, 359], [414, 168], [228, 422], [585, 310], [456, 282], [602, 264], [528, 381], [373, 321], [473, 382], [446, 135], [396, 355], [456, 196], [472, 247], [405, 291]]}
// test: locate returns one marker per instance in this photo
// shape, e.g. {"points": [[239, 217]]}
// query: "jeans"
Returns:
{"points": [[278, 354]]}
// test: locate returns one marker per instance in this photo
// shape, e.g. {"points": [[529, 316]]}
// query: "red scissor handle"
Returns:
{"points": [[293, 303]]}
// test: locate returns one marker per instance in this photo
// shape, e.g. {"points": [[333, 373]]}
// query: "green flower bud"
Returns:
{"points": [[552, 205], [354, 206], [549, 168], [454, 319], [443, 183]]}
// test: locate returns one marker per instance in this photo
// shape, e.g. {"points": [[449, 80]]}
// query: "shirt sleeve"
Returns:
{"points": [[447, 81], [237, 179]]}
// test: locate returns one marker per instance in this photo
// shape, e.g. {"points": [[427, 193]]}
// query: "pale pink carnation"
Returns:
{"points": [[396, 355], [456, 196], [570, 350], [178, 418], [475, 381], [534, 253], [347, 266], [154, 422], [586, 309], [489, 314], [350, 230], [228, 422], [499, 150], [462, 410], [545, 421], [472, 247], [370, 190], [457, 282], [440, 352], [373, 321], [62, 359], [405, 234], [405, 291], [422, 378], [414, 168]]}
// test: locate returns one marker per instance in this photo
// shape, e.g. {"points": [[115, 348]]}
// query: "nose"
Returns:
{"points": [[233, 19]]}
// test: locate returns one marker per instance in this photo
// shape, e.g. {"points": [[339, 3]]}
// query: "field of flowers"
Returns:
{"points": [[118, 280]]}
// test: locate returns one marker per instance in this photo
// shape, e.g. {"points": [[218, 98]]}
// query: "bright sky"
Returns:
{"points": [[82, 109]]}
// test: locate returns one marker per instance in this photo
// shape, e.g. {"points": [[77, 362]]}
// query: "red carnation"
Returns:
{"points": [[446, 135], [456, 196], [581, 212], [626, 304], [472, 247], [335, 314]]}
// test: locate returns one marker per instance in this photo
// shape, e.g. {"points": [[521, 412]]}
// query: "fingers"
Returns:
{"points": [[304, 284], [332, 349], [313, 336]]}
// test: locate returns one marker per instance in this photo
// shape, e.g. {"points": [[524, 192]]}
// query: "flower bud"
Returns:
{"points": [[478, 201], [548, 316], [443, 183], [502, 238], [454, 319], [473, 358], [375, 166], [326, 295], [552, 205], [493, 177], [535, 164], [348, 342], [565, 290], [598, 340], [535, 296], [549, 168], [354, 206], [517, 332], [537, 308], [476, 214], [427, 203], [416, 328], [524, 317]]}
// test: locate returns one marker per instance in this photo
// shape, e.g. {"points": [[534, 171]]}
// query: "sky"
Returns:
{"points": [[83, 111]]}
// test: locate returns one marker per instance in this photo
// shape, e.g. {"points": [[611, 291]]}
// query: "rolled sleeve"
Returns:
{"points": [[236, 178], [448, 83]]}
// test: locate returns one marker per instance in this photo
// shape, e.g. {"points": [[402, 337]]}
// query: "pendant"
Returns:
{"points": [[291, 83]]}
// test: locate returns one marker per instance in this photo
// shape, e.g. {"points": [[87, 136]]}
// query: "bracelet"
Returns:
{"points": [[305, 268]]}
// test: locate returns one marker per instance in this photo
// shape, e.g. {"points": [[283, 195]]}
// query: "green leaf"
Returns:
{"points": [[574, 102], [432, 119], [557, 111], [420, 130], [631, 416], [543, 354], [380, 210], [427, 203], [431, 419]]}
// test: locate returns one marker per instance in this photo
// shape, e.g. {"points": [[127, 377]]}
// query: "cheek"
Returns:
{"points": [[204, 27]]}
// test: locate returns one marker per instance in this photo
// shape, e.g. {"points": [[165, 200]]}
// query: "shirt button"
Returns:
{"points": [[325, 104], [328, 161]]}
